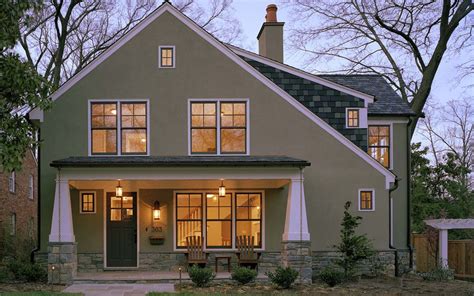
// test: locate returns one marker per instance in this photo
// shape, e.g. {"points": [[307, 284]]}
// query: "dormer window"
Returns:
{"points": [[166, 56], [353, 118]]}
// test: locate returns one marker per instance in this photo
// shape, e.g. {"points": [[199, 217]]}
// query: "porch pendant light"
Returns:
{"points": [[222, 189], [118, 190], [156, 211]]}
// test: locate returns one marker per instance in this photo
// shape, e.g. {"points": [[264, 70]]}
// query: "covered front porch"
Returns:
{"points": [[135, 214]]}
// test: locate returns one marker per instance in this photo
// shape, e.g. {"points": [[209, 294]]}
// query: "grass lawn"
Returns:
{"points": [[37, 293]]}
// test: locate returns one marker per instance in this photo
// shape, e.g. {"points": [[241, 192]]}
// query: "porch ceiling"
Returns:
{"points": [[180, 161]]}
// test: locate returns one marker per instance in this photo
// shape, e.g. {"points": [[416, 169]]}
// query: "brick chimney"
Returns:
{"points": [[270, 37]]}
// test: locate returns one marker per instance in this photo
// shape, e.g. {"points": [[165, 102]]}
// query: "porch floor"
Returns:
{"points": [[135, 276]]}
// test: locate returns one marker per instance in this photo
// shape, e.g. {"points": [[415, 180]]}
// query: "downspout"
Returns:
{"points": [[410, 248], [38, 206], [390, 234]]}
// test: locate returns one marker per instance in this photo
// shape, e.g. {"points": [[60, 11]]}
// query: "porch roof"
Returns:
{"points": [[180, 161]]}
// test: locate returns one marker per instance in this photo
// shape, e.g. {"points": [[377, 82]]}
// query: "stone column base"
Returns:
{"points": [[62, 262], [297, 255]]}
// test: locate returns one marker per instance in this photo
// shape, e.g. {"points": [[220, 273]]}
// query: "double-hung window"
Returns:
{"points": [[353, 118], [12, 182], [119, 128], [218, 221], [188, 217], [379, 143], [218, 127]]}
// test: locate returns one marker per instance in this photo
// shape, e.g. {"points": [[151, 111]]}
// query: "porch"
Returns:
{"points": [[141, 233]]}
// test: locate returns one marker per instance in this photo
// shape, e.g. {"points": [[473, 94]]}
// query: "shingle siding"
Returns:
{"points": [[329, 104]]}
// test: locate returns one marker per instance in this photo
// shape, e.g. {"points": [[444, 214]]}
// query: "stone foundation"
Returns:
{"points": [[297, 255], [62, 262]]}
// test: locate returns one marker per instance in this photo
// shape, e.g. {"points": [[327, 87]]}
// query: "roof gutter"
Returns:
{"points": [[38, 205], [390, 225], [410, 247]]}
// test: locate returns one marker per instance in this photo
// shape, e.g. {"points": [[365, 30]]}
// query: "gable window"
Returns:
{"points": [[12, 182], [87, 202], [226, 134], [119, 128], [31, 187], [366, 200], [166, 56], [379, 143], [218, 221], [353, 118]]}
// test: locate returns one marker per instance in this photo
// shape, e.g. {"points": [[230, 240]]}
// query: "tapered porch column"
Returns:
{"points": [[443, 248], [296, 245], [296, 223], [62, 251]]}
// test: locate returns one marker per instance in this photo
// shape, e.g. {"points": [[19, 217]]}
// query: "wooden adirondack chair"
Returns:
{"points": [[196, 254], [245, 251]]}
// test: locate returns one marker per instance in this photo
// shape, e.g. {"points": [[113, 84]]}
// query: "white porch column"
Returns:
{"points": [[62, 229], [443, 248], [296, 223]]}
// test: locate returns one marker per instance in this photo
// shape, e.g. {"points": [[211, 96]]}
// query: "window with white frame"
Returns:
{"points": [[119, 127], [31, 187], [366, 200], [352, 118], [166, 56], [12, 182], [218, 127], [379, 143], [215, 218]]}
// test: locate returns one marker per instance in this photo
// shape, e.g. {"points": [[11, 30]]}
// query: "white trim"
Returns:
{"points": [[166, 7], [174, 56], [362, 117], [204, 219], [306, 75], [386, 123], [391, 221], [218, 126], [80, 202], [105, 234], [119, 125], [373, 199], [12, 182], [31, 187]]}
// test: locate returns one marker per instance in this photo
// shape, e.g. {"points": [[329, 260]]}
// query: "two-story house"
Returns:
{"points": [[171, 133]]}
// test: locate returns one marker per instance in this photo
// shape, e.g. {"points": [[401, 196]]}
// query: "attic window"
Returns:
{"points": [[166, 56], [352, 118]]}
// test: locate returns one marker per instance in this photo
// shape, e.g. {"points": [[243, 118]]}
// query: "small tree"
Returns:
{"points": [[354, 248]]}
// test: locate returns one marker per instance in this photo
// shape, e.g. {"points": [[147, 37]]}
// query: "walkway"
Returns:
{"points": [[118, 289]]}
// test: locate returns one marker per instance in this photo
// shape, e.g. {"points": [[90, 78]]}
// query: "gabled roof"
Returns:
{"points": [[167, 7]]}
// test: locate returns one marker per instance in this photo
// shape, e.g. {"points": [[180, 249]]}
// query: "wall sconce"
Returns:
{"points": [[156, 211], [118, 190], [222, 189]]}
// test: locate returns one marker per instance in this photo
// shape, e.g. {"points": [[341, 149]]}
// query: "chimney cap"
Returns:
{"points": [[271, 16]]}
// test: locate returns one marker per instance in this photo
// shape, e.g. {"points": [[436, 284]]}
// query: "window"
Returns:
{"points": [[203, 128], [248, 216], [228, 135], [12, 182], [106, 126], [87, 203], [379, 143], [352, 118], [31, 188], [218, 221], [366, 200], [13, 224], [233, 127], [134, 128], [166, 56], [188, 217]]}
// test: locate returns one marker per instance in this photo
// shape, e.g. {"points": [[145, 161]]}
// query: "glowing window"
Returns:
{"points": [[379, 143]]}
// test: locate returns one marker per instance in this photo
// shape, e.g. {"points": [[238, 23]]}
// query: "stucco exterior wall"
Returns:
{"points": [[276, 127]]}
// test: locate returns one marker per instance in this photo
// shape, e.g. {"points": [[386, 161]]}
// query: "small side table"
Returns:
{"points": [[219, 257]]}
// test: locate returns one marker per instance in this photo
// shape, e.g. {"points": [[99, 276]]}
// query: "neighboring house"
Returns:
{"points": [[19, 206], [139, 144]]}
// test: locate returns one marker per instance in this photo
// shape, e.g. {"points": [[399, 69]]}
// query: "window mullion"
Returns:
{"points": [[119, 128], [218, 126]]}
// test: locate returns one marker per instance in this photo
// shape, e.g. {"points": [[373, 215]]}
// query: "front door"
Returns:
{"points": [[122, 230]]}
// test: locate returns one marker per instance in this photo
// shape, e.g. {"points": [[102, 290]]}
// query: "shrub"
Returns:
{"points": [[27, 271], [438, 274], [244, 275], [283, 277], [201, 276], [354, 247], [331, 276]]}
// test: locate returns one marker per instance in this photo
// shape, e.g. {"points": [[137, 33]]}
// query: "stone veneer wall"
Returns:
{"points": [[62, 262], [297, 255]]}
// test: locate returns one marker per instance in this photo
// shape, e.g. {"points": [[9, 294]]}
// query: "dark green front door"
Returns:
{"points": [[122, 230]]}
